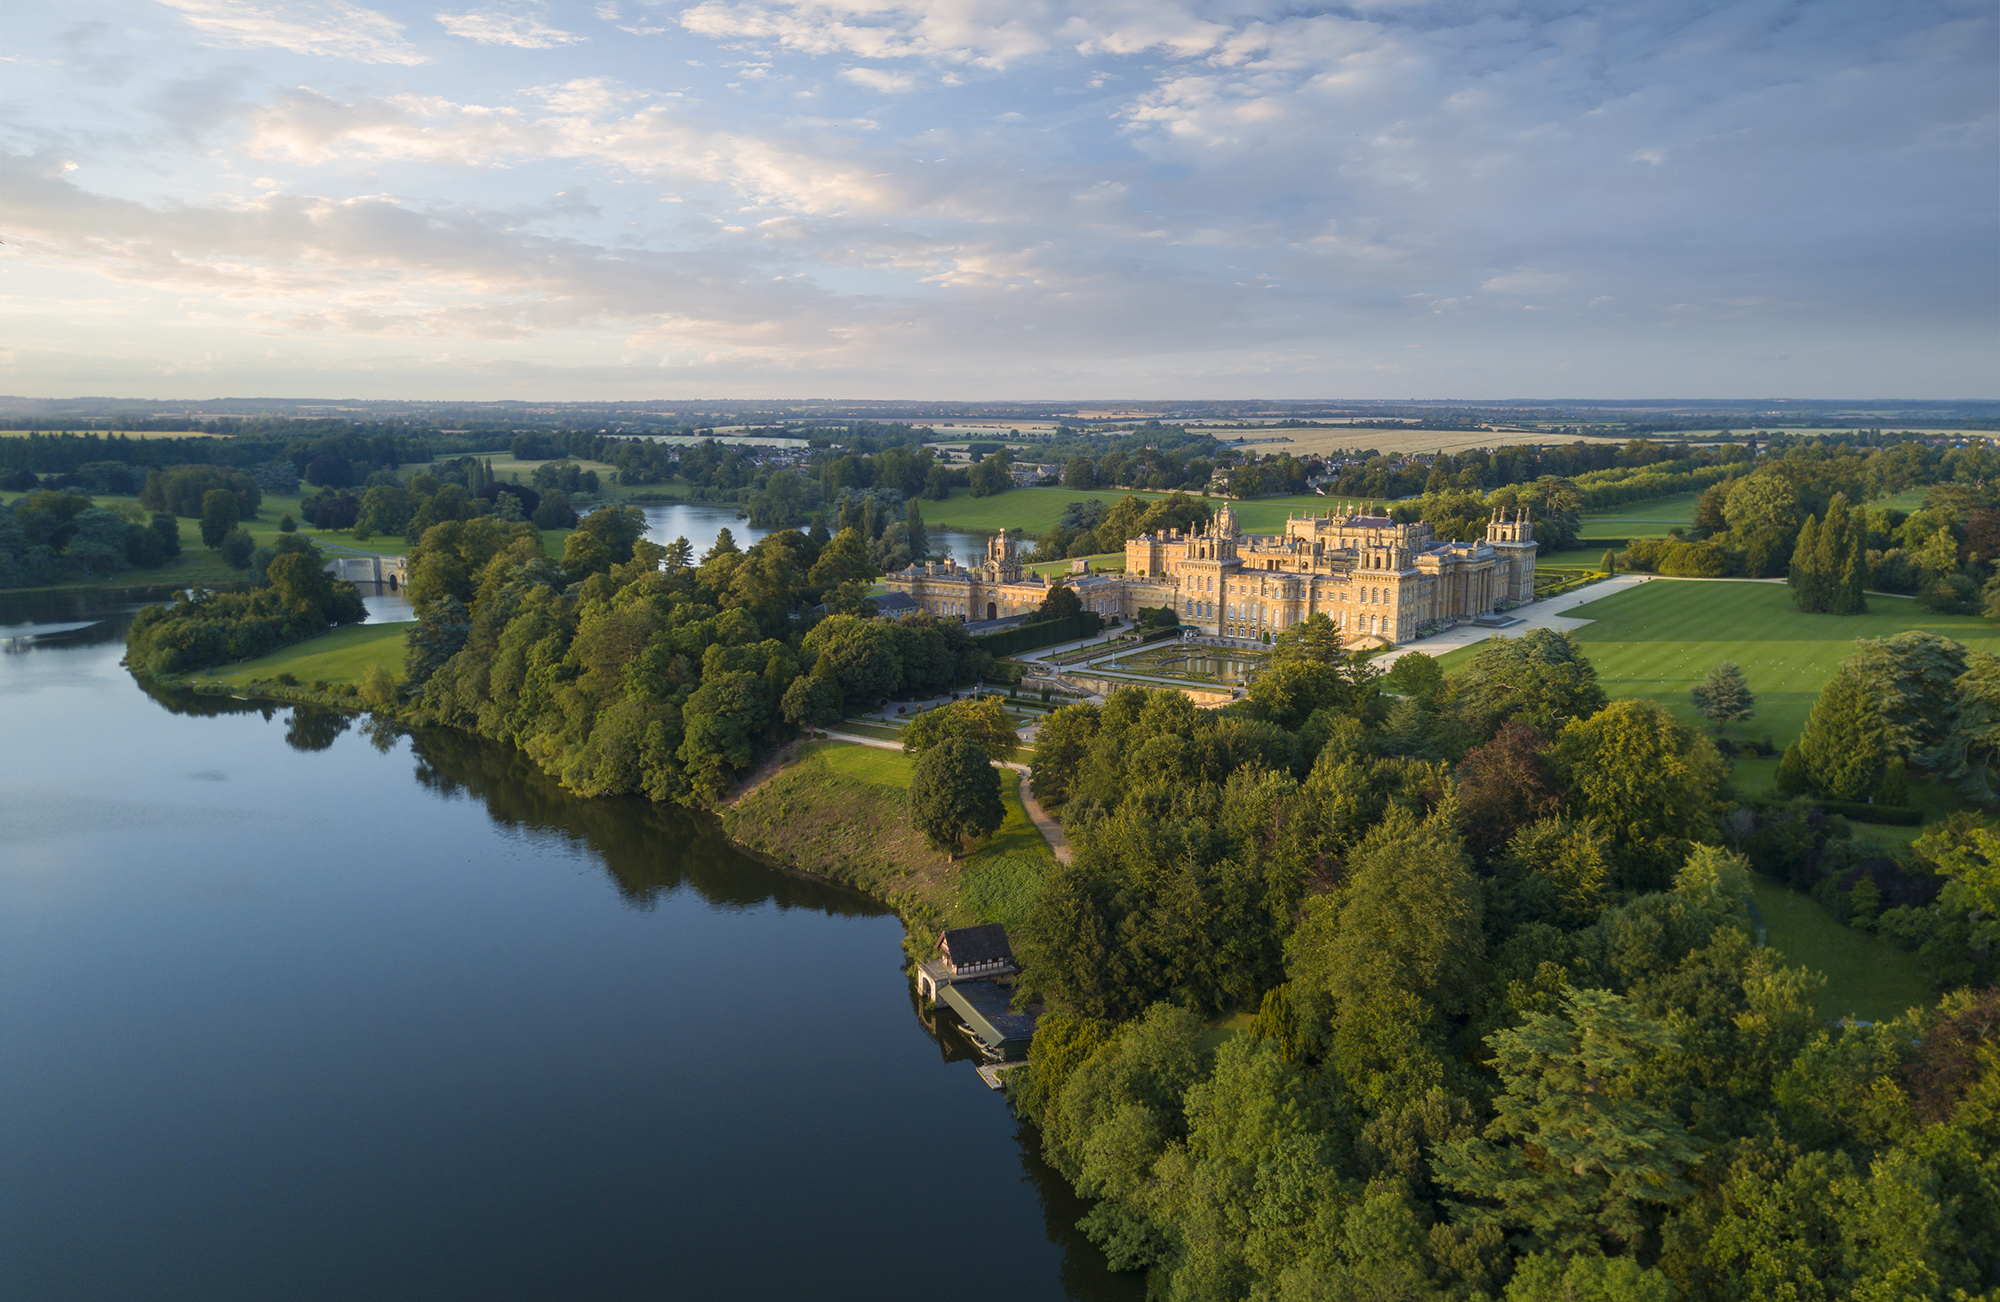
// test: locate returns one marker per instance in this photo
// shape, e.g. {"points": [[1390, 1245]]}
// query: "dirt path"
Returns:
{"points": [[1050, 829]]}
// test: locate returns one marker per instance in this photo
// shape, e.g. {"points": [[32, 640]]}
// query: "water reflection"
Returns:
{"points": [[648, 850]]}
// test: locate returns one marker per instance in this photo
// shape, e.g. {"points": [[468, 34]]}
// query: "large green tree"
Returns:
{"points": [[983, 720], [1575, 1159], [1844, 751], [1651, 782], [955, 795], [220, 512], [1313, 638]]}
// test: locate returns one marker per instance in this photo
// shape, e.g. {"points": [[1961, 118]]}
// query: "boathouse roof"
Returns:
{"points": [[982, 944]]}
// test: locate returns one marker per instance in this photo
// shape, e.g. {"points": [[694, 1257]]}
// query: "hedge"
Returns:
{"points": [[1049, 632], [1897, 815]]}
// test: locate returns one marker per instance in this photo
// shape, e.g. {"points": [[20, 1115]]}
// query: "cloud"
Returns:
{"points": [[494, 28], [587, 125], [889, 83], [989, 33], [333, 28]]}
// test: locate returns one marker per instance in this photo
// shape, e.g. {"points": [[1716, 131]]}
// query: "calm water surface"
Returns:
{"points": [[700, 522], [291, 1008]]}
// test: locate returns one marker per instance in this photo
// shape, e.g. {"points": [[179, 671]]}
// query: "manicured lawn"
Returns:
{"points": [[1866, 977], [1657, 640], [871, 764], [1036, 510], [342, 656], [1640, 519]]}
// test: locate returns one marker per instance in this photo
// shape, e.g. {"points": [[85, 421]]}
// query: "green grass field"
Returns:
{"points": [[1657, 640], [1866, 977], [1102, 562], [1000, 880], [1640, 519], [1036, 510], [342, 656]]}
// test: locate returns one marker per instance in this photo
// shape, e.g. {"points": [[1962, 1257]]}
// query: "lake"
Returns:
{"points": [[298, 1008], [700, 522]]}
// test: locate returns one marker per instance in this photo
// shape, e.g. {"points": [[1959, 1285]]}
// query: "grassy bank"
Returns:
{"points": [[842, 811], [325, 670]]}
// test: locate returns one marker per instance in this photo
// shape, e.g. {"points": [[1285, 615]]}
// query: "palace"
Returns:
{"points": [[1379, 581]]}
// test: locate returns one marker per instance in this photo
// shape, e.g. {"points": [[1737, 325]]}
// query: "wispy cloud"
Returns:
{"points": [[524, 31], [329, 27]]}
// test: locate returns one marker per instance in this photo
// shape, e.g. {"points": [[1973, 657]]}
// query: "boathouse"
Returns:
{"points": [[967, 954], [973, 976]]}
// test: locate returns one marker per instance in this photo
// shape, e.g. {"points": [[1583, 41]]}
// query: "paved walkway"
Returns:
{"points": [[1050, 829], [1536, 614]]}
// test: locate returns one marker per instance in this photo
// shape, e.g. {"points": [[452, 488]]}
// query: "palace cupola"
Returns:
{"points": [[1510, 525]]}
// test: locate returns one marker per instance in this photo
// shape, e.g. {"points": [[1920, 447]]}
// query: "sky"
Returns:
{"points": [[967, 199]]}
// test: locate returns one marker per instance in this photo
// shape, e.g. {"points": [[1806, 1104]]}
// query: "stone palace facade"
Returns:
{"points": [[1379, 581]]}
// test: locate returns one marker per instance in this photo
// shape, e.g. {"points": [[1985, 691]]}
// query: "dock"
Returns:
{"points": [[994, 1073]]}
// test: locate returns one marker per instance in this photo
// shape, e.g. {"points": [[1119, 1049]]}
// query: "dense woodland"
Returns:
{"points": [[631, 667], [1514, 1036]]}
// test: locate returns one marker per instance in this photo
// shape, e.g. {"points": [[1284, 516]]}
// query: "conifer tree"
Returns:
{"points": [[1609, 564], [1723, 697], [1805, 574], [1574, 1154], [1854, 566], [1845, 748], [1841, 540]]}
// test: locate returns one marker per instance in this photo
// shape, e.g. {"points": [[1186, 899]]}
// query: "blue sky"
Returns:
{"points": [[972, 199]]}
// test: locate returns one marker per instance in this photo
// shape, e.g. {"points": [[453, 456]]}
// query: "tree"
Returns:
{"points": [[984, 721], [1914, 677], [1061, 745], [286, 524], [1970, 752], [301, 582], [378, 687], [1651, 782], [1807, 581], [1574, 1156], [811, 702], [1414, 675], [955, 795], [1314, 638], [236, 547], [1844, 752], [168, 528], [441, 629], [1060, 602], [1723, 697], [919, 538], [1291, 691], [220, 512], [1609, 561], [1505, 784], [1541, 678]]}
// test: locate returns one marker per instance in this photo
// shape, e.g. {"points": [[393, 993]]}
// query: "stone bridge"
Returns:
{"points": [[392, 570]]}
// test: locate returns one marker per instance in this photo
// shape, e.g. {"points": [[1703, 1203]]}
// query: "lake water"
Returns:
{"points": [[298, 1009], [700, 522]]}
